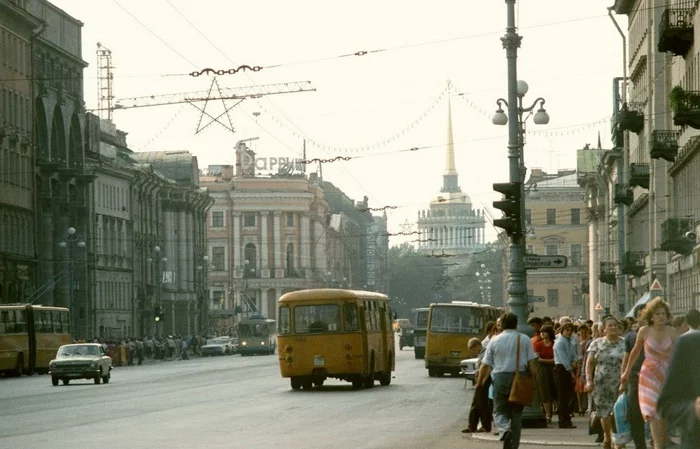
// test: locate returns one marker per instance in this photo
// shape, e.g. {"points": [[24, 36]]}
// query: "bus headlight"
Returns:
{"points": [[244, 343], [262, 343], [288, 348], [289, 358], [348, 346]]}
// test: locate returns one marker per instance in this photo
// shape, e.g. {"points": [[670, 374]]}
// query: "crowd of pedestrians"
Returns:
{"points": [[582, 367], [130, 351]]}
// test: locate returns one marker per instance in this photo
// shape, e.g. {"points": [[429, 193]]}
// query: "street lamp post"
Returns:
{"points": [[157, 280], [517, 288], [72, 240]]}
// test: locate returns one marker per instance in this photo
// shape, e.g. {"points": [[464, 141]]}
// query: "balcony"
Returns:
{"points": [[678, 235], [676, 31], [633, 263], [664, 145], [630, 118], [686, 107], [639, 175], [623, 195], [608, 273]]}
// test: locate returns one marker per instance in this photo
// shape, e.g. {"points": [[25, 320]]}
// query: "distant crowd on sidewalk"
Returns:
{"points": [[582, 367]]}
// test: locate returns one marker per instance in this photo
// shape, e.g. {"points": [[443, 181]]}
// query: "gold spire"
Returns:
{"points": [[450, 155]]}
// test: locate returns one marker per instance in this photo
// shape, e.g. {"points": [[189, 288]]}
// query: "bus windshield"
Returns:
{"points": [[456, 320], [422, 319], [317, 318], [253, 330]]}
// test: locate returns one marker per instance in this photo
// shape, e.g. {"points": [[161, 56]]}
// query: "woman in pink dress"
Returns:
{"points": [[657, 339]]}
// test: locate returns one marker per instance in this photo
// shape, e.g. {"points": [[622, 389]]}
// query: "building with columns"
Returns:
{"points": [[451, 225]]}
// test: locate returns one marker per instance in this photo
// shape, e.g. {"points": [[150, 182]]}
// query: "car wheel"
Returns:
{"points": [[54, 381], [65, 381], [98, 378], [105, 379]]}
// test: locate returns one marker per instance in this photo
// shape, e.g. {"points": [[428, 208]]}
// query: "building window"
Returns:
{"points": [[528, 216], [551, 216], [291, 272], [290, 219], [576, 255], [217, 219], [249, 219], [577, 297], [218, 258], [553, 297], [217, 299], [551, 250], [575, 216], [530, 249]]}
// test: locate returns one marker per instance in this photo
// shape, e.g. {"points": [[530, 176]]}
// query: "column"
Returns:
{"points": [[277, 242], [264, 264], [263, 302], [237, 266], [305, 243]]}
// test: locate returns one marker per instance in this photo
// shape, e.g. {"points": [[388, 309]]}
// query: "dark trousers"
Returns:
{"points": [[635, 414], [565, 391], [481, 408]]}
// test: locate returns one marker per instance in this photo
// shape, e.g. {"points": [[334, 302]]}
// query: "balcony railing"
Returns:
{"points": [[686, 106], [630, 117], [639, 175], [608, 273], [664, 145], [678, 235], [633, 263], [623, 195], [676, 31]]}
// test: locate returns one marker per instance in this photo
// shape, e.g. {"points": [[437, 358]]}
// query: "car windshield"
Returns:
{"points": [[77, 351]]}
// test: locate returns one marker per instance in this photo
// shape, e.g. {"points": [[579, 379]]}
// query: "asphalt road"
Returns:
{"points": [[231, 402]]}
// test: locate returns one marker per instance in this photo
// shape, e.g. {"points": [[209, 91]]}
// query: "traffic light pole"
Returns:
{"points": [[516, 268]]}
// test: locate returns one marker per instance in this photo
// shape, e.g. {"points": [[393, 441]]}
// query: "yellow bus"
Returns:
{"points": [[256, 335], [30, 336], [341, 334], [450, 326]]}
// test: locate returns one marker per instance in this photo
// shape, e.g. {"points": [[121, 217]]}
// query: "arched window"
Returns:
{"points": [[291, 272]]}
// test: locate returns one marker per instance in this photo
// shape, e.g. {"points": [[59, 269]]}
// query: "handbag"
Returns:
{"points": [[523, 389]]}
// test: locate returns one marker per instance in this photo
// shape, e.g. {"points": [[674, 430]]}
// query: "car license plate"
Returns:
{"points": [[319, 360]]}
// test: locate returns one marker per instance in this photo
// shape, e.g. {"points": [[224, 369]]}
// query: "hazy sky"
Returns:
{"points": [[569, 55]]}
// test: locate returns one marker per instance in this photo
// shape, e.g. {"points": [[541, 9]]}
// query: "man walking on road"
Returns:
{"points": [[565, 357], [500, 363]]}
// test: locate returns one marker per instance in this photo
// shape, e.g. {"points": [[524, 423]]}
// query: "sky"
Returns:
{"points": [[372, 108]]}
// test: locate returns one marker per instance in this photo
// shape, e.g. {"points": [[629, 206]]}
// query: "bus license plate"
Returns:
{"points": [[319, 360]]}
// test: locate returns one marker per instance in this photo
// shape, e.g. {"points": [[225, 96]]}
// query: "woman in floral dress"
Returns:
{"points": [[603, 374]]}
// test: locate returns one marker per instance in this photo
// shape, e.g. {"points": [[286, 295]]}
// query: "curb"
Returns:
{"points": [[528, 442]]}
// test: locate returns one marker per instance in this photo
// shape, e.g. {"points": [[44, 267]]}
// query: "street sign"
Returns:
{"points": [[598, 307], [535, 299], [534, 261], [656, 285]]}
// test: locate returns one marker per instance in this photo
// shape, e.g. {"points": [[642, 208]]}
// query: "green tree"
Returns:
{"points": [[463, 283], [416, 279]]}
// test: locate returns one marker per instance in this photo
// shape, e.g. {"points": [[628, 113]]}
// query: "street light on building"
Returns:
{"points": [[72, 241], [157, 274]]}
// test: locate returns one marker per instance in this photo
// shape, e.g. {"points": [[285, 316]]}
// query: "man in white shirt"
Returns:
{"points": [[501, 364]]}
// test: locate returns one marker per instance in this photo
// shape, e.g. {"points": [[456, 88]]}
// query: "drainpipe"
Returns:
{"points": [[622, 176]]}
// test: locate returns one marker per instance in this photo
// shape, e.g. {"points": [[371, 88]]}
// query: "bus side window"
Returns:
{"points": [[285, 324], [21, 323], [350, 317], [3, 322]]}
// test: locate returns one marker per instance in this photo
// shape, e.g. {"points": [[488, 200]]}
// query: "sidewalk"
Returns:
{"points": [[552, 435]]}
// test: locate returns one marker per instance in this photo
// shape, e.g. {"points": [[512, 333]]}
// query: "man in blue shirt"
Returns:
{"points": [[565, 359], [501, 362]]}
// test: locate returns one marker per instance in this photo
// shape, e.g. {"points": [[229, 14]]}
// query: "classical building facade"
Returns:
{"points": [[655, 160], [451, 225], [556, 225], [18, 261]]}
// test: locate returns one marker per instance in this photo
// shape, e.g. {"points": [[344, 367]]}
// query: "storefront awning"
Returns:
{"points": [[642, 301]]}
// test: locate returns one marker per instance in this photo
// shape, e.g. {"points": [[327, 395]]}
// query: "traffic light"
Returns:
{"points": [[510, 205], [158, 314]]}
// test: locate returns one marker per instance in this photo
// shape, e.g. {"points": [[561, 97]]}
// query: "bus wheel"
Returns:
{"points": [[296, 383], [319, 382], [369, 380], [307, 384], [19, 366], [385, 378], [54, 381], [357, 384], [440, 373], [65, 381], [431, 372]]}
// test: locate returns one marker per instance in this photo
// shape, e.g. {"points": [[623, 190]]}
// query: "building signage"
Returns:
{"points": [[274, 164], [370, 255]]}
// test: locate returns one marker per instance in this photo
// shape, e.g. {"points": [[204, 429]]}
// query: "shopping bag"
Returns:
{"points": [[623, 431]]}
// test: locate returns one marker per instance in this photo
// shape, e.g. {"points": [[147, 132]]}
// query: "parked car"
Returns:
{"points": [[80, 361], [405, 338], [468, 370], [217, 346]]}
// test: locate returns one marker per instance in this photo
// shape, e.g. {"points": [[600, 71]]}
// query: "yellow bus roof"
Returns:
{"points": [[320, 294]]}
